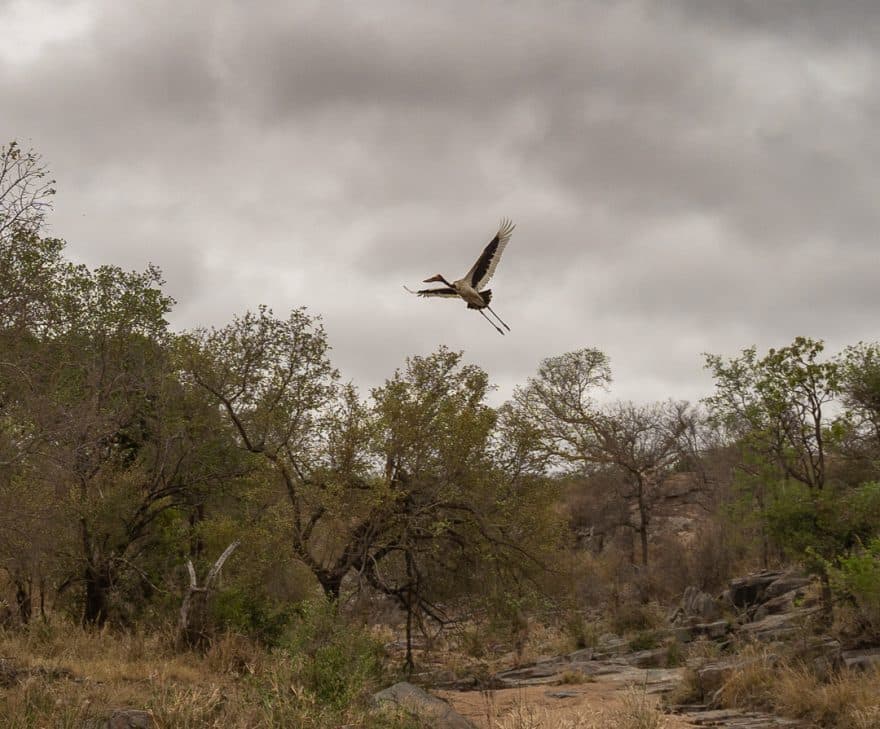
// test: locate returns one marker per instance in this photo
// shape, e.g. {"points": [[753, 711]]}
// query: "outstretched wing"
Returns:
{"points": [[483, 269], [445, 292]]}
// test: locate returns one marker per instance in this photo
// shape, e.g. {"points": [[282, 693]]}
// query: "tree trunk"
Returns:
{"points": [[193, 630], [98, 583], [23, 599], [644, 518], [331, 583]]}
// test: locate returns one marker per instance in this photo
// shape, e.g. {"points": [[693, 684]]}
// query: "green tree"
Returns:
{"points": [[777, 405], [859, 367]]}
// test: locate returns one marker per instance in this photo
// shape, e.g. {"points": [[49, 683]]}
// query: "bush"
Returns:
{"points": [[858, 578], [338, 661], [243, 611]]}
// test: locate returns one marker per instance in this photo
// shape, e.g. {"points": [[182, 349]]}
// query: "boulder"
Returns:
{"points": [[130, 719], [748, 591], [697, 604], [711, 676], [124, 719], [862, 660], [419, 702], [777, 627], [9, 673], [822, 651], [789, 582]]}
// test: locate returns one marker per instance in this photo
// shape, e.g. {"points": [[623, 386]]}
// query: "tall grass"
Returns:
{"points": [[68, 677]]}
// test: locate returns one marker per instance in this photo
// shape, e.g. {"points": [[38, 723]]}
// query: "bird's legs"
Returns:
{"points": [[497, 328], [498, 318]]}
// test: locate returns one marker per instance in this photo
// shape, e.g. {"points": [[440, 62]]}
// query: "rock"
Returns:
{"points": [[684, 633], [788, 582], [421, 703], [697, 604], [130, 719], [777, 627], [562, 694], [585, 654], [650, 658], [124, 719], [781, 604], [711, 676], [862, 660], [9, 673], [713, 631], [749, 591], [822, 651], [536, 673]]}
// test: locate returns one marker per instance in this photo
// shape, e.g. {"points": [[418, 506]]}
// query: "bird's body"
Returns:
{"points": [[468, 287]]}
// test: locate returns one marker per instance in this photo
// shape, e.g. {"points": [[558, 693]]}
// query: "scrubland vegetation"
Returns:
{"points": [[410, 531]]}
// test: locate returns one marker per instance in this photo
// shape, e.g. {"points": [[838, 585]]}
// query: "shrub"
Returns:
{"points": [[338, 661], [244, 611], [858, 578]]}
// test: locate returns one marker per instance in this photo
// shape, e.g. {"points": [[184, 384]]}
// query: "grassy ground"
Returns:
{"points": [[66, 677]]}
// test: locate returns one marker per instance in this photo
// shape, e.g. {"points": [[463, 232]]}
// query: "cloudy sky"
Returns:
{"points": [[685, 176]]}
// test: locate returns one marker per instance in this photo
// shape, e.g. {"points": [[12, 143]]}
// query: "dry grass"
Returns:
{"points": [[848, 700], [751, 685], [636, 710], [67, 677]]}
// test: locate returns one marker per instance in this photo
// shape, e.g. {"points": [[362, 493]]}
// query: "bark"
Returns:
{"points": [[193, 630]]}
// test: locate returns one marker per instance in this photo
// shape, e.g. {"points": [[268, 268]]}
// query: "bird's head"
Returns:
{"points": [[438, 277]]}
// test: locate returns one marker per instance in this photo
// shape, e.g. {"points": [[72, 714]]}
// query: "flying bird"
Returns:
{"points": [[468, 288]]}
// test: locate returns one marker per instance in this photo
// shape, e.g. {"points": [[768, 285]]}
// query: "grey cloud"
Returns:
{"points": [[685, 177]]}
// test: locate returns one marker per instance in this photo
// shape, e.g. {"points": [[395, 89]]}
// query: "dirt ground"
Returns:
{"points": [[534, 706]]}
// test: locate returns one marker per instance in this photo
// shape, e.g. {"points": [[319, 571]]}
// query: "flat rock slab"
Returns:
{"points": [[735, 719], [417, 701], [862, 660], [124, 719]]}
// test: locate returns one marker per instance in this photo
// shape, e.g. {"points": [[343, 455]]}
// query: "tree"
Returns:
{"points": [[274, 382], [454, 517], [641, 442], [25, 191], [102, 422], [776, 408], [859, 367], [777, 405]]}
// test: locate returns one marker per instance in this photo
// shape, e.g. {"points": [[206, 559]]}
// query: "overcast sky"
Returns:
{"points": [[685, 176]]}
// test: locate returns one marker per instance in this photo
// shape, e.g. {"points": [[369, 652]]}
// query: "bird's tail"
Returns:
{"points": [[487, 299]]}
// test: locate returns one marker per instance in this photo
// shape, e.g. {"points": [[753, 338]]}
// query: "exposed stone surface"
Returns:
{"points": [[697, 604], [822, 651], [124, 719], [130, 719], [734, 718], [9, 673], [777, 627], [862, 659], [711, 676], [747, 591], [789, 582], [650, 658], [421, 703]]}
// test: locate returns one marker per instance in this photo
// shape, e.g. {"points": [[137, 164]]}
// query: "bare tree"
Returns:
{"points": [[641, 442], [25, 191], [192, 629]]}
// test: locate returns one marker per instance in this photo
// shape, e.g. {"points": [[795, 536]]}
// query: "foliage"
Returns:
{"points": [[242, 610], [337, 660], [857, 577], [776, 405]]}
